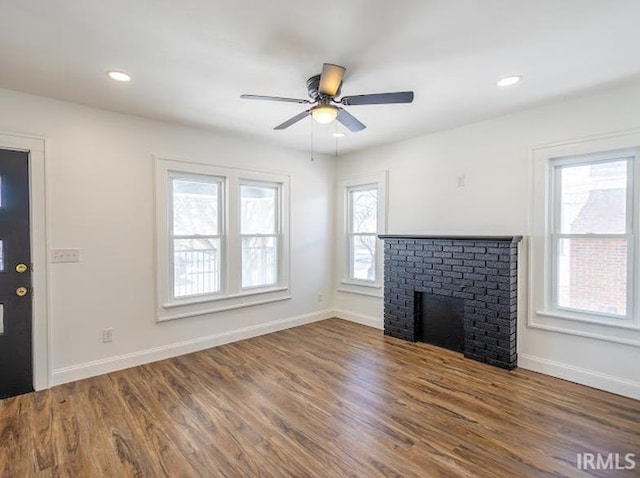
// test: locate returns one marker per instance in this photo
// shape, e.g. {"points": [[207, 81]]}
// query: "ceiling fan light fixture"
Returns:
{"points": [[324, 114]]}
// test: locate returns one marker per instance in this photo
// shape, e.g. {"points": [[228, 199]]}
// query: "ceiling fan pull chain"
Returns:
{"points": [[312, 159]]}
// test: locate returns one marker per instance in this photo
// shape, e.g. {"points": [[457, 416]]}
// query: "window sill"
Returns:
{"points": [[564, 323], [360, 288], [605, 321], [198, 307], [222, 297], [368, 285]]}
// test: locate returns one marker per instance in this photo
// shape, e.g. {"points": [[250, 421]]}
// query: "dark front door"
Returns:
{"points": [[15, 275]]}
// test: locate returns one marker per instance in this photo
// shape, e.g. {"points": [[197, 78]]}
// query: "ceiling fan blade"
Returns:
{"points": [[378, 98], [275, 98], [350, 121], [331, 79], [293, 120]]}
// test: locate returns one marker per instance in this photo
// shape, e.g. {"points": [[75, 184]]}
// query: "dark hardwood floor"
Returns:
{"points": [[329, 399]]}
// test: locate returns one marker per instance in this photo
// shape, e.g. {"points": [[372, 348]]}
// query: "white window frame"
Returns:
{"points": [[221, 235], [347, 184], [556, 235], [277, 234], [351, 234], [542, 312], [231, 294]]}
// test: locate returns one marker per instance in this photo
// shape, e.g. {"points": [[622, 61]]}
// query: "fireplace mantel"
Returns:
{"points": [[452, 238]]}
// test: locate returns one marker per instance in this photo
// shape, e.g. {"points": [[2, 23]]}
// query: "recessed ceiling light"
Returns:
{"points": [[339, 135], [510, 80], [118, 75]]}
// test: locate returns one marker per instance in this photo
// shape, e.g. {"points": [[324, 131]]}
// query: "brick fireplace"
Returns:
{"points": [[475, 275]]}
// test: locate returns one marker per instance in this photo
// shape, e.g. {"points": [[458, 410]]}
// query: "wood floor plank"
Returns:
{"points": [[215, 419], [82, 443], [10, 407], [16, 452], [330, 398], [135, 455], [248, 421], [159, 430], [41, 426]]}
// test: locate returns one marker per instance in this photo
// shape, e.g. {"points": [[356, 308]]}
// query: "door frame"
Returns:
{"points": [[41, 330]]}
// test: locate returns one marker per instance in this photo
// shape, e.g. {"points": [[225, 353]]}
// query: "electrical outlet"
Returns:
{"points": [[107, 335], [65, 255], [461, 180], [320, 297]]}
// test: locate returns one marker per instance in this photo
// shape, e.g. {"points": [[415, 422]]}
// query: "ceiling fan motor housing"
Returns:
{"points": [[313, 87]]}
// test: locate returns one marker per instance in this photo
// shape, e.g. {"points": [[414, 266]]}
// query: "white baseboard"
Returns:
{"points": [[120, 362], [367, 320], [620, 386]]}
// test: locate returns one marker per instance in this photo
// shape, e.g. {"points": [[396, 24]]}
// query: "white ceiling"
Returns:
{"points": [[191, 59]]}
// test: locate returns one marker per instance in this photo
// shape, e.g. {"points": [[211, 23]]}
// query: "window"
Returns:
{"points": [[363, 228], [196, 234], [260, 234], [362, 214], [222, 237], [592, 234], [584, 272]]}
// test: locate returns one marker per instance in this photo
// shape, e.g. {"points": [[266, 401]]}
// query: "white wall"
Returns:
{"points": [[495, 158], [100, 199]]}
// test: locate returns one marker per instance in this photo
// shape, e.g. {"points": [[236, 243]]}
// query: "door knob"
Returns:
{"points": [[20, 268], [21, 291]]}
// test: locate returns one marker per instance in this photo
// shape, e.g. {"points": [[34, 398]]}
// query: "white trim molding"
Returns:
{"points": [[120, 362], [41, 330], [374, 292], [362, 319], [213, 310], [618, 385]]}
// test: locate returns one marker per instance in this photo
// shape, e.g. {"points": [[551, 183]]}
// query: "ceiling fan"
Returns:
{"points": [[323, 90]]}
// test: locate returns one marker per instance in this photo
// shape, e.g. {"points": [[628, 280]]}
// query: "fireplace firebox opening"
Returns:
{"points": [[440, 321]]}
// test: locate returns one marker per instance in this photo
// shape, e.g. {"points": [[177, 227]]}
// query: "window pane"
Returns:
{"points": [[259, 261], [363, 252], [195, 207], [592, 275], [593, 198], [258, 209], [364, 210], [196, 266]]}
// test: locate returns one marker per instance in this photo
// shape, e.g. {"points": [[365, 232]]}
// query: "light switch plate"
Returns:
{"points": [[65, 255]]}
